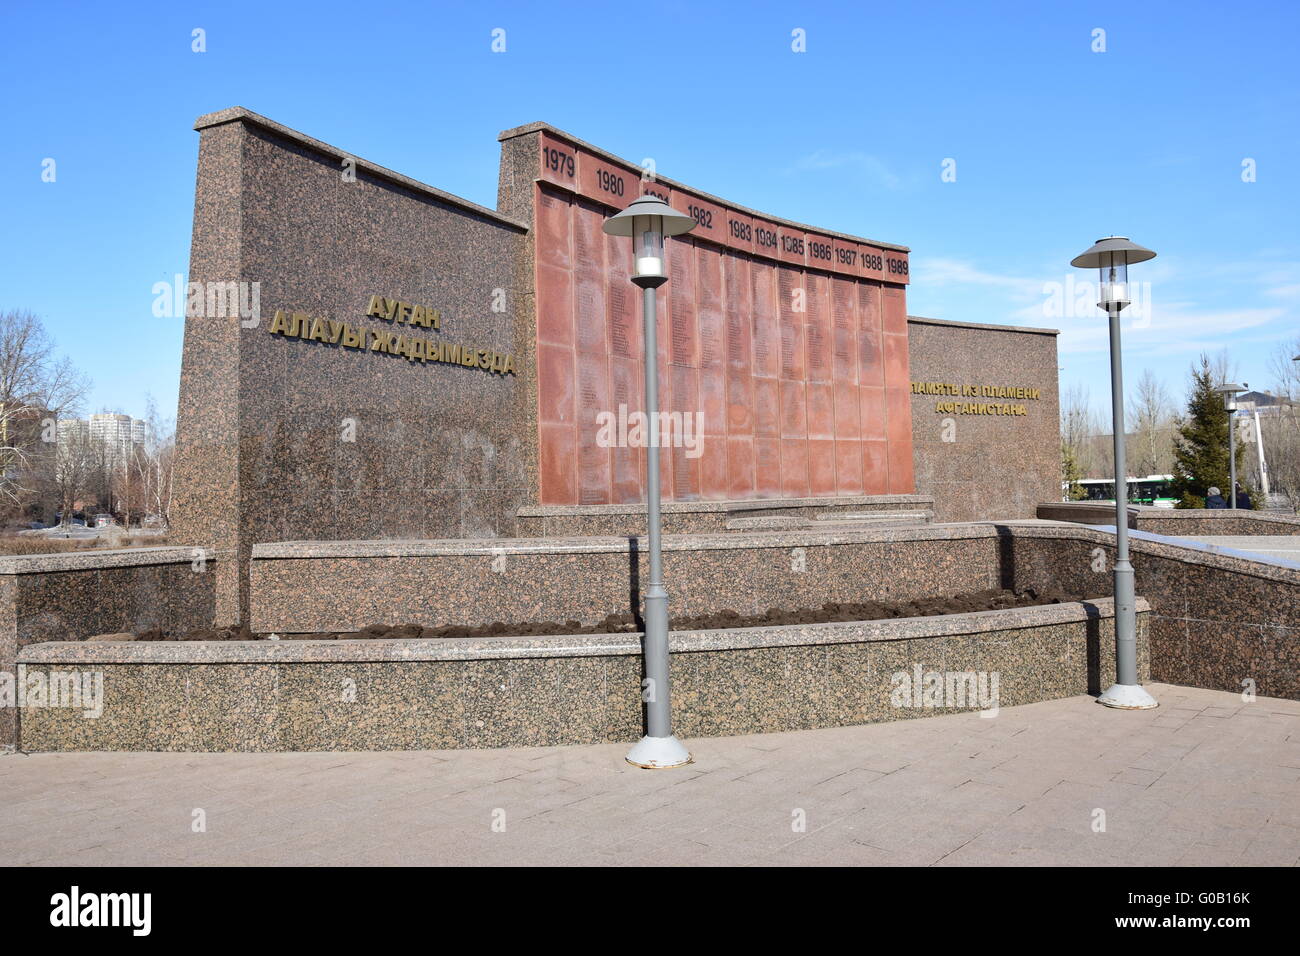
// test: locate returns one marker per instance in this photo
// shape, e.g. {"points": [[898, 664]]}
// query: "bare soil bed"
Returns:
{"points": [[990, 600]]}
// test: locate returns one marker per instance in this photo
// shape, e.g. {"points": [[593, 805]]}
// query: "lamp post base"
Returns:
{"points": [[1127, 697], [658, 753]]}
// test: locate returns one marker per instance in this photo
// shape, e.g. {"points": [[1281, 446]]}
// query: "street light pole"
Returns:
{"points": [[647, 221], [1229, 392], [1111, 257]]}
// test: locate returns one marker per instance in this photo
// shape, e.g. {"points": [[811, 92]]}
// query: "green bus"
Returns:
{"points": [[1155, 490]]}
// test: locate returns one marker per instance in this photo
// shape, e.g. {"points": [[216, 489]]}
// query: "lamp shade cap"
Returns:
{"points": [[1099, 254], [675, 223]]}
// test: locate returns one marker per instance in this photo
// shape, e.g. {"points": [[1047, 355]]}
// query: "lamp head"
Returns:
{"points": [[1111, 257], [647, 220]]}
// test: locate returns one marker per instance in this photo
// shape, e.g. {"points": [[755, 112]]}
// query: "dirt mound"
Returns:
{"points": [[994, 599]]}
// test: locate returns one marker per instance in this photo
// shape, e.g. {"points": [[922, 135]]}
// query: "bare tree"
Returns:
{"points": [[151, 465], [1151, 426], [1281, 431], [1079, 426], [36, 388]]}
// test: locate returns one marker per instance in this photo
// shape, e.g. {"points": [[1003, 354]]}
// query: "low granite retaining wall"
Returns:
{"points": [[696, 517], [71, 596], [513, 692], [1175, 522], [1219, 619], [1178, 522], [321, 586]]}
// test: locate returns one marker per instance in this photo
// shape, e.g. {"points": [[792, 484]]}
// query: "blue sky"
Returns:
{"points": [[1054, 144]]}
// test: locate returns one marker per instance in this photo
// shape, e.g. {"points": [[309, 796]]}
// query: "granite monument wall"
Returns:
{"points": [[69, 597], [345, 368], [985, 418]]}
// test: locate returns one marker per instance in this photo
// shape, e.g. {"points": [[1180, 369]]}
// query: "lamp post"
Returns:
{"points": [[1111, 257], [1229, 392], [647, 221]]}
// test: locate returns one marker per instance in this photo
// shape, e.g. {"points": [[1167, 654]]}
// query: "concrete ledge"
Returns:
{"points": [[506, 692], [70, 596], [697, 517], [96, 559], [571, 645]]}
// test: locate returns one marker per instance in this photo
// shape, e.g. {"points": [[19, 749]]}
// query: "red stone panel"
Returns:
{"points": [[819, 251], [767, 467], [848, 411], [739, 231], [821, 466], [555, 306], [792, 245], [590, 280], [794, 410], [713, 400], [844, 330], [652, 187], [554, 229], [710, 219], [555, 457], [714, 475], [820, 410], [896, 267], [792, 304], [794, 467], [605, 182], [740, 467], [875, 468], [848, 467], [767, 238], [817, 328], [871, 262], [871, 411], [626, 398], [685, 401], [555, 385], [766, 320], [798, 366], [740, 402], [767, 408], [845, 254], [738, 313], [558, 161], [712, 335], [681, 304], [894, 310]]}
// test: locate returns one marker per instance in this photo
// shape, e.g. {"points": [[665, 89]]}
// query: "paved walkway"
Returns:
{"points": [[1269, 545], [1204, 779]]}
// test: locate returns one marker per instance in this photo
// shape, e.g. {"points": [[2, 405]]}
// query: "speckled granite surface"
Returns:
{"points": [[984, 466], [697, 517], [433, 583], [282, 437], [1218, 619], [68, 597], [519, 692]]}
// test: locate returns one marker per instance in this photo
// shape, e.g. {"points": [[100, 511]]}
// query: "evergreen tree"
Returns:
{"points": [[1071, 473], [1201, 443]]}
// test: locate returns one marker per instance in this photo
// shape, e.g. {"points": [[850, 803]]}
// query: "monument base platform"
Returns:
{"points": [[580, 689]]}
